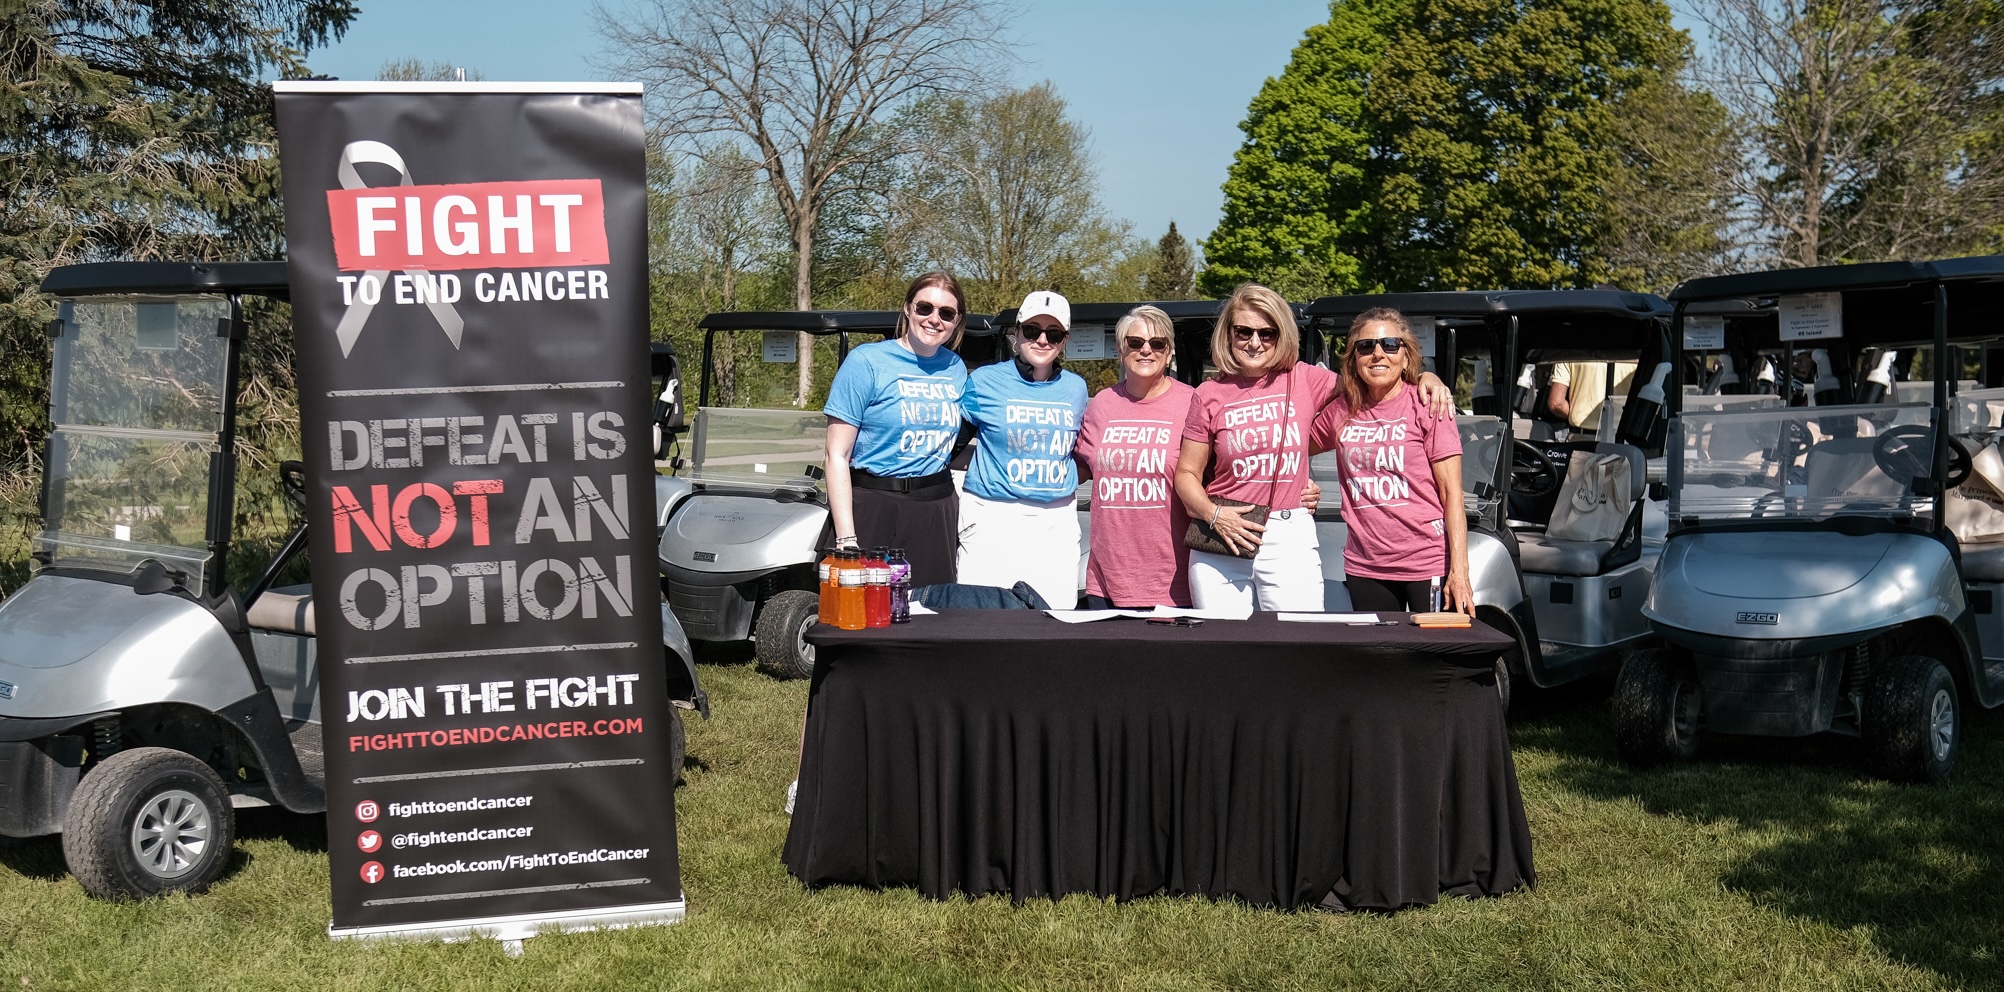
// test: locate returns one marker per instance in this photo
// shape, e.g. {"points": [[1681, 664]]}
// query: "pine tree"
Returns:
{"points": [[1174, 274]]}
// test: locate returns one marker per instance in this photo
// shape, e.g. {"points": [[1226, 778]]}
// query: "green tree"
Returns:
{"points": [[1296, 201], [1442, 144], [1869, 128], [1173, 276], [1006, 195], [132, 129]]}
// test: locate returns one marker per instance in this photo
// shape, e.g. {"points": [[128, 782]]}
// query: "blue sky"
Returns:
{"points": [[1162, 85]]}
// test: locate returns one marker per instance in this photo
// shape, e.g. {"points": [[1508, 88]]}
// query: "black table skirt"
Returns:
{"points": [[1281, 764]]}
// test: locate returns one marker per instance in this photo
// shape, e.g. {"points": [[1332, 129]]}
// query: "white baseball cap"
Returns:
{"points": [[1045, 304]]}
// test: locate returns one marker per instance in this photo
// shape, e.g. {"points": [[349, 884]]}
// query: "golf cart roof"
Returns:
{"points": [[1558, 323], [1820, 279], [1584, 302], [167, 279], [820, 321], [1885, 303]]}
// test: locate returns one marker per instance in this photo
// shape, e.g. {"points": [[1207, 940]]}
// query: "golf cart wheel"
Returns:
{"points": [[783, 651], [1657, 707], [147, 821], [1912, 724]]}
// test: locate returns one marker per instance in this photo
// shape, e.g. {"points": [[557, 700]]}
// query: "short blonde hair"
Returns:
{"points": [[1257, 298], [1155, 317]]}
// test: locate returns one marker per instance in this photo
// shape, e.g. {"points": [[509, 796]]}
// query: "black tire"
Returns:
{"points": [[783, 651], [113, 835], [678, 742], [1658, 708], [1503, 681], [1912, 726]]}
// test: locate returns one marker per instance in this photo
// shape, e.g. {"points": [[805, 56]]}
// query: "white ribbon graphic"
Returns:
{"points": [[350, 328]]}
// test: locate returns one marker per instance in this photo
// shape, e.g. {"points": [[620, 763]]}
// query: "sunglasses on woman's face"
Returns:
{"points": [[1055, 335], [1244, 333], [1365, 346], [1148, 344], [924, 309]]}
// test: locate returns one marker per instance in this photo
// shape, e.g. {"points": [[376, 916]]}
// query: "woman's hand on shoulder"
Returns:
{"points": [[1436, 395]]}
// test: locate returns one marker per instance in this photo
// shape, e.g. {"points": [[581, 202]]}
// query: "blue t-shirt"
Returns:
{"points": [[1027, 430], [906, 409]]}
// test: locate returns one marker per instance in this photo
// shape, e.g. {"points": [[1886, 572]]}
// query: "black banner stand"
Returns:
{"points": [[469, 290]]}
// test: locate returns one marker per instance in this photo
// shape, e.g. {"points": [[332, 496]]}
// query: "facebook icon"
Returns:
{"points": [[372, 872]]}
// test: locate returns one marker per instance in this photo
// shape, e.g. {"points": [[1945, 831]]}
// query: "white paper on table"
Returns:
{"points": [[1330, 617], [918, 610], [1088, 616]]}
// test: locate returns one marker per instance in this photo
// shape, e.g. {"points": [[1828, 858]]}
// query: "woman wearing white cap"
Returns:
{"points": [[1017, 517]]}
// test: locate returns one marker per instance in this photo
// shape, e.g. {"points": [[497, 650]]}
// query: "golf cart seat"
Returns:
{"points": [[1975, 515], [1843, 467], [288, 610], [1545, 554]]}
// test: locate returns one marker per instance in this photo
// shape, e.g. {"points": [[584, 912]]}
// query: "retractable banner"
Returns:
{"points": [[468, 268]]}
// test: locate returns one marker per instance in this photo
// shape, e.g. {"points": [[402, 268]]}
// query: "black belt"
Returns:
{"points": [[863, 479]]}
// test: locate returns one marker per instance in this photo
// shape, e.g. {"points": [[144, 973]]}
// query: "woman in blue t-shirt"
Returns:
{"points": [[1018, 520], [893, 414]]}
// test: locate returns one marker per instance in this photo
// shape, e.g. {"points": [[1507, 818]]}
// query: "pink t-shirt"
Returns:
{"points": [[1258, 432], [1130, 447], [1385, 457]]}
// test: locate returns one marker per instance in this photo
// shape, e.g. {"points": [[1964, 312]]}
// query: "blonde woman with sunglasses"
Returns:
{"points": [[1017, 517], [893, 414], [1245, 443], [1401, 476]]}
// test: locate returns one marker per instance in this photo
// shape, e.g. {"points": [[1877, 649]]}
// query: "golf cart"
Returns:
{"points": [[1572, 604], [1834, 566], [743, 522], [143, 698]]}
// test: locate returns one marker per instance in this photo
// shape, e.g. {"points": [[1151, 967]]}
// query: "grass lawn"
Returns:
{"points": [[1776, 864]]}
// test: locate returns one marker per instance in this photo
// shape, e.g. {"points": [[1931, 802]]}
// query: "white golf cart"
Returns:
{"points": [[142, 698], [1834, 566]]}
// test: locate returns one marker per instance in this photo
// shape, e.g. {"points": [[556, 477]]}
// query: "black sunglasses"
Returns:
{"points": [[1055, 335], [1244, 333], [1151, 344], [924, 309], [1365, 346]]}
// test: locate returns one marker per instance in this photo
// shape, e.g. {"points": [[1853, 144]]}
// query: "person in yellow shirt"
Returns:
{"points": [[1580, 389]]}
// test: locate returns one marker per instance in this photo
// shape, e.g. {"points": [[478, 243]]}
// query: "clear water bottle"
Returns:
{"points": [[901, 586]]}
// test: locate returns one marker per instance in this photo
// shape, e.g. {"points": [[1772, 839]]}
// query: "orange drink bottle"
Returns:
{"points": [[850, 578], [877, 591], [826, 571]]}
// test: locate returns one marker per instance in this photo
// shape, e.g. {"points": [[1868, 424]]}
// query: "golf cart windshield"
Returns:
{"points": [[1801, 463], [765, 448], [137, 399]]}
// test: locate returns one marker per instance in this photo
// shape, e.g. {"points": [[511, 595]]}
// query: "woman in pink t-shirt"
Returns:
{"points": [[1400, 467], [1128, 445], [1245, 441]]}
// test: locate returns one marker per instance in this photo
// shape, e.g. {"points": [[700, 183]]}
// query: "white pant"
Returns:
{"points": [[1003, 542], [1285, 575]]}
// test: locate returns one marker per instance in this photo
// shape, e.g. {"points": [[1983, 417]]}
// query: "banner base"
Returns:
{"points": [[512, 930]]}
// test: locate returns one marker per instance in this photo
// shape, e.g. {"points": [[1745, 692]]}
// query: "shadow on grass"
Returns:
{"points": [[40, 858], [304, 832], [1919, 867]]}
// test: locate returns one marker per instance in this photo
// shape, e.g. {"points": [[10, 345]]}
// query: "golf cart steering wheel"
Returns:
{"points": [[292, 479], [1903, 454], [1532, 472]]}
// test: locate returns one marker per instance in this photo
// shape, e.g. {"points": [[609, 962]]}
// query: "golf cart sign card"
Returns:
{"points": [[1809, 316], [468, 266]]}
